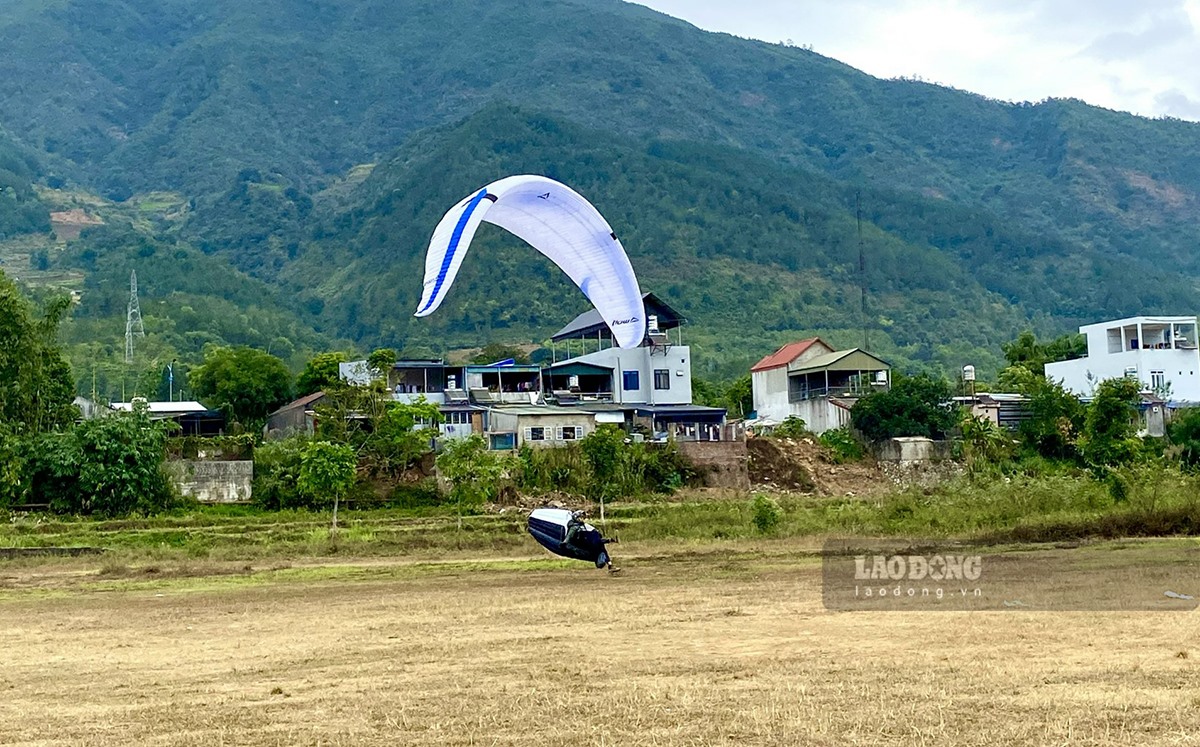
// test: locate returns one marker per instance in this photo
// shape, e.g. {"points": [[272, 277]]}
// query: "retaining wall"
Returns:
{"points": [[212, 482]]}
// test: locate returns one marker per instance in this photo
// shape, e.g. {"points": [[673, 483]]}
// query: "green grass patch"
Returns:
{"points": [[1020, 509]]}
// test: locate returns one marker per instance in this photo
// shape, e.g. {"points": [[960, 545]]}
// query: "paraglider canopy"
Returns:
{"points": [[558, 222], [552, 528]]}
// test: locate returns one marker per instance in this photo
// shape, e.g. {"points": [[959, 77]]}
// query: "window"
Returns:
{"points": [[1158, 380], [537, 433], [662, 378], [570, 432], [503, 441], [629, 381], [458, 418]]}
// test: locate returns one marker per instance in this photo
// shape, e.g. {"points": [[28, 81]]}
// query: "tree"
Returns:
{"points": [[706, 393], [603, 449], [914, 406], [245, 383], [380, 361], [1110, 429], [1028, 352], [474, 472], [1184, 432], [108, 467], [327, 470], [1056, 417], [321, 372], [739, 397], [401, 434], [36, 388]]}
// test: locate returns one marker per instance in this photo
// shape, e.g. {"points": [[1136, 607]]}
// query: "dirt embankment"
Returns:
{"points": [[803, 465]]}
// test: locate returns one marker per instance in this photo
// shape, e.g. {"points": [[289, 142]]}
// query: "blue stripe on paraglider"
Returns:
{"points": [[454, 239]]}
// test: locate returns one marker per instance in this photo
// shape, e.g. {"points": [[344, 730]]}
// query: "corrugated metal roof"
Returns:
{"points": [[162, 408], [826, 361], [787, 354], [590, 323]]}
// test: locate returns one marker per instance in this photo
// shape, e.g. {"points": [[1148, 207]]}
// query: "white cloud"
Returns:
{"points": [[1139, 57]]}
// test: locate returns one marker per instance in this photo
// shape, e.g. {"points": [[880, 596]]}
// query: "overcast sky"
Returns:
{"points": [[1141, 56]]}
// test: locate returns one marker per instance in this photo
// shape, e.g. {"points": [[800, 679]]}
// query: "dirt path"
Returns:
{"points": [[688, 651]]}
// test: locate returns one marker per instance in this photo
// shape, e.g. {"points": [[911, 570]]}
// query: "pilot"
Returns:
{"points": [[574, 527]]}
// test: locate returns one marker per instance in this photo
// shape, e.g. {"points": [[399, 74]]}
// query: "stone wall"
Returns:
{"points": [[723, 464], [212, 482]]}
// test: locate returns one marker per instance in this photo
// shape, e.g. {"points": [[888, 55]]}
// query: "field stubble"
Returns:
{"points": [[683, 649]]}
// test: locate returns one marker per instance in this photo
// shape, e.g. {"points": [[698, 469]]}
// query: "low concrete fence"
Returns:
{"points": [[212, 482], [913, 450]]}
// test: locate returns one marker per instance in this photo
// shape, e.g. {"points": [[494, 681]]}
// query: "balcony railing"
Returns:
{"points": [[801, 395]]}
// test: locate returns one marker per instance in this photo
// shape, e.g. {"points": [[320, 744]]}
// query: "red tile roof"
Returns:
{"points": [[786, 354]]}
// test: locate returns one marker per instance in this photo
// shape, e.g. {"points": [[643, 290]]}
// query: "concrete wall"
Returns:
{"points": [[212, 482], [912, 449], [770, 393], [723, 464], [819, 414]]}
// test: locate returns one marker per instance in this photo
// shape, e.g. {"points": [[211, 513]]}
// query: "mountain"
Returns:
{"points": [[737, 170], [751, 252]]}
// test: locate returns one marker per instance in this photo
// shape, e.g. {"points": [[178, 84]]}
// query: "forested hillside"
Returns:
{"points": [[733, 170], [20, 210], [751, 252]]}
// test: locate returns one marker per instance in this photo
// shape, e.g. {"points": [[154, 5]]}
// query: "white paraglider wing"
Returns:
{"points": [[559, 223]]}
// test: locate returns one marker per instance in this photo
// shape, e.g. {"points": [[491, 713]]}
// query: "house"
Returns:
{"points": [[812, 381], [513, 426], [1002, 410], [296, 417], [1159, 351], [647, 388], [193, 418]]}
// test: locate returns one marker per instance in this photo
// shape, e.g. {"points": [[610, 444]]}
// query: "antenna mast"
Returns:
{"points": [[862, 270], [133, 318]]}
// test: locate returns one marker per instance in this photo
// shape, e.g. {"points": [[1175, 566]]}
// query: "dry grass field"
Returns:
{"points": [[693, 648]]}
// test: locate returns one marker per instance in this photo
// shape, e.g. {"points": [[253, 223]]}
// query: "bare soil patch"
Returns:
{"points": [[803, 465]]}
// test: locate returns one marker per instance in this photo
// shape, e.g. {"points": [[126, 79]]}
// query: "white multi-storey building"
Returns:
{"points": [[1158, 351]]}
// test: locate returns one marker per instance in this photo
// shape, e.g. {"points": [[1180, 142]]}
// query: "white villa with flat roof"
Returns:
{"points": [[1158, 351]]}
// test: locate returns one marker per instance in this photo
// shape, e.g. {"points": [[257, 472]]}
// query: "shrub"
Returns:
{"points": [[277, 474], [1184, 433], [422, 494], [843, 445], [791, 427], [604, 465], [1110, 430], [766, 514], [108, 467]]}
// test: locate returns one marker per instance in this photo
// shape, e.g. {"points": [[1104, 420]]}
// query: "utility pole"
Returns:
{"points": [[862, 271]]}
